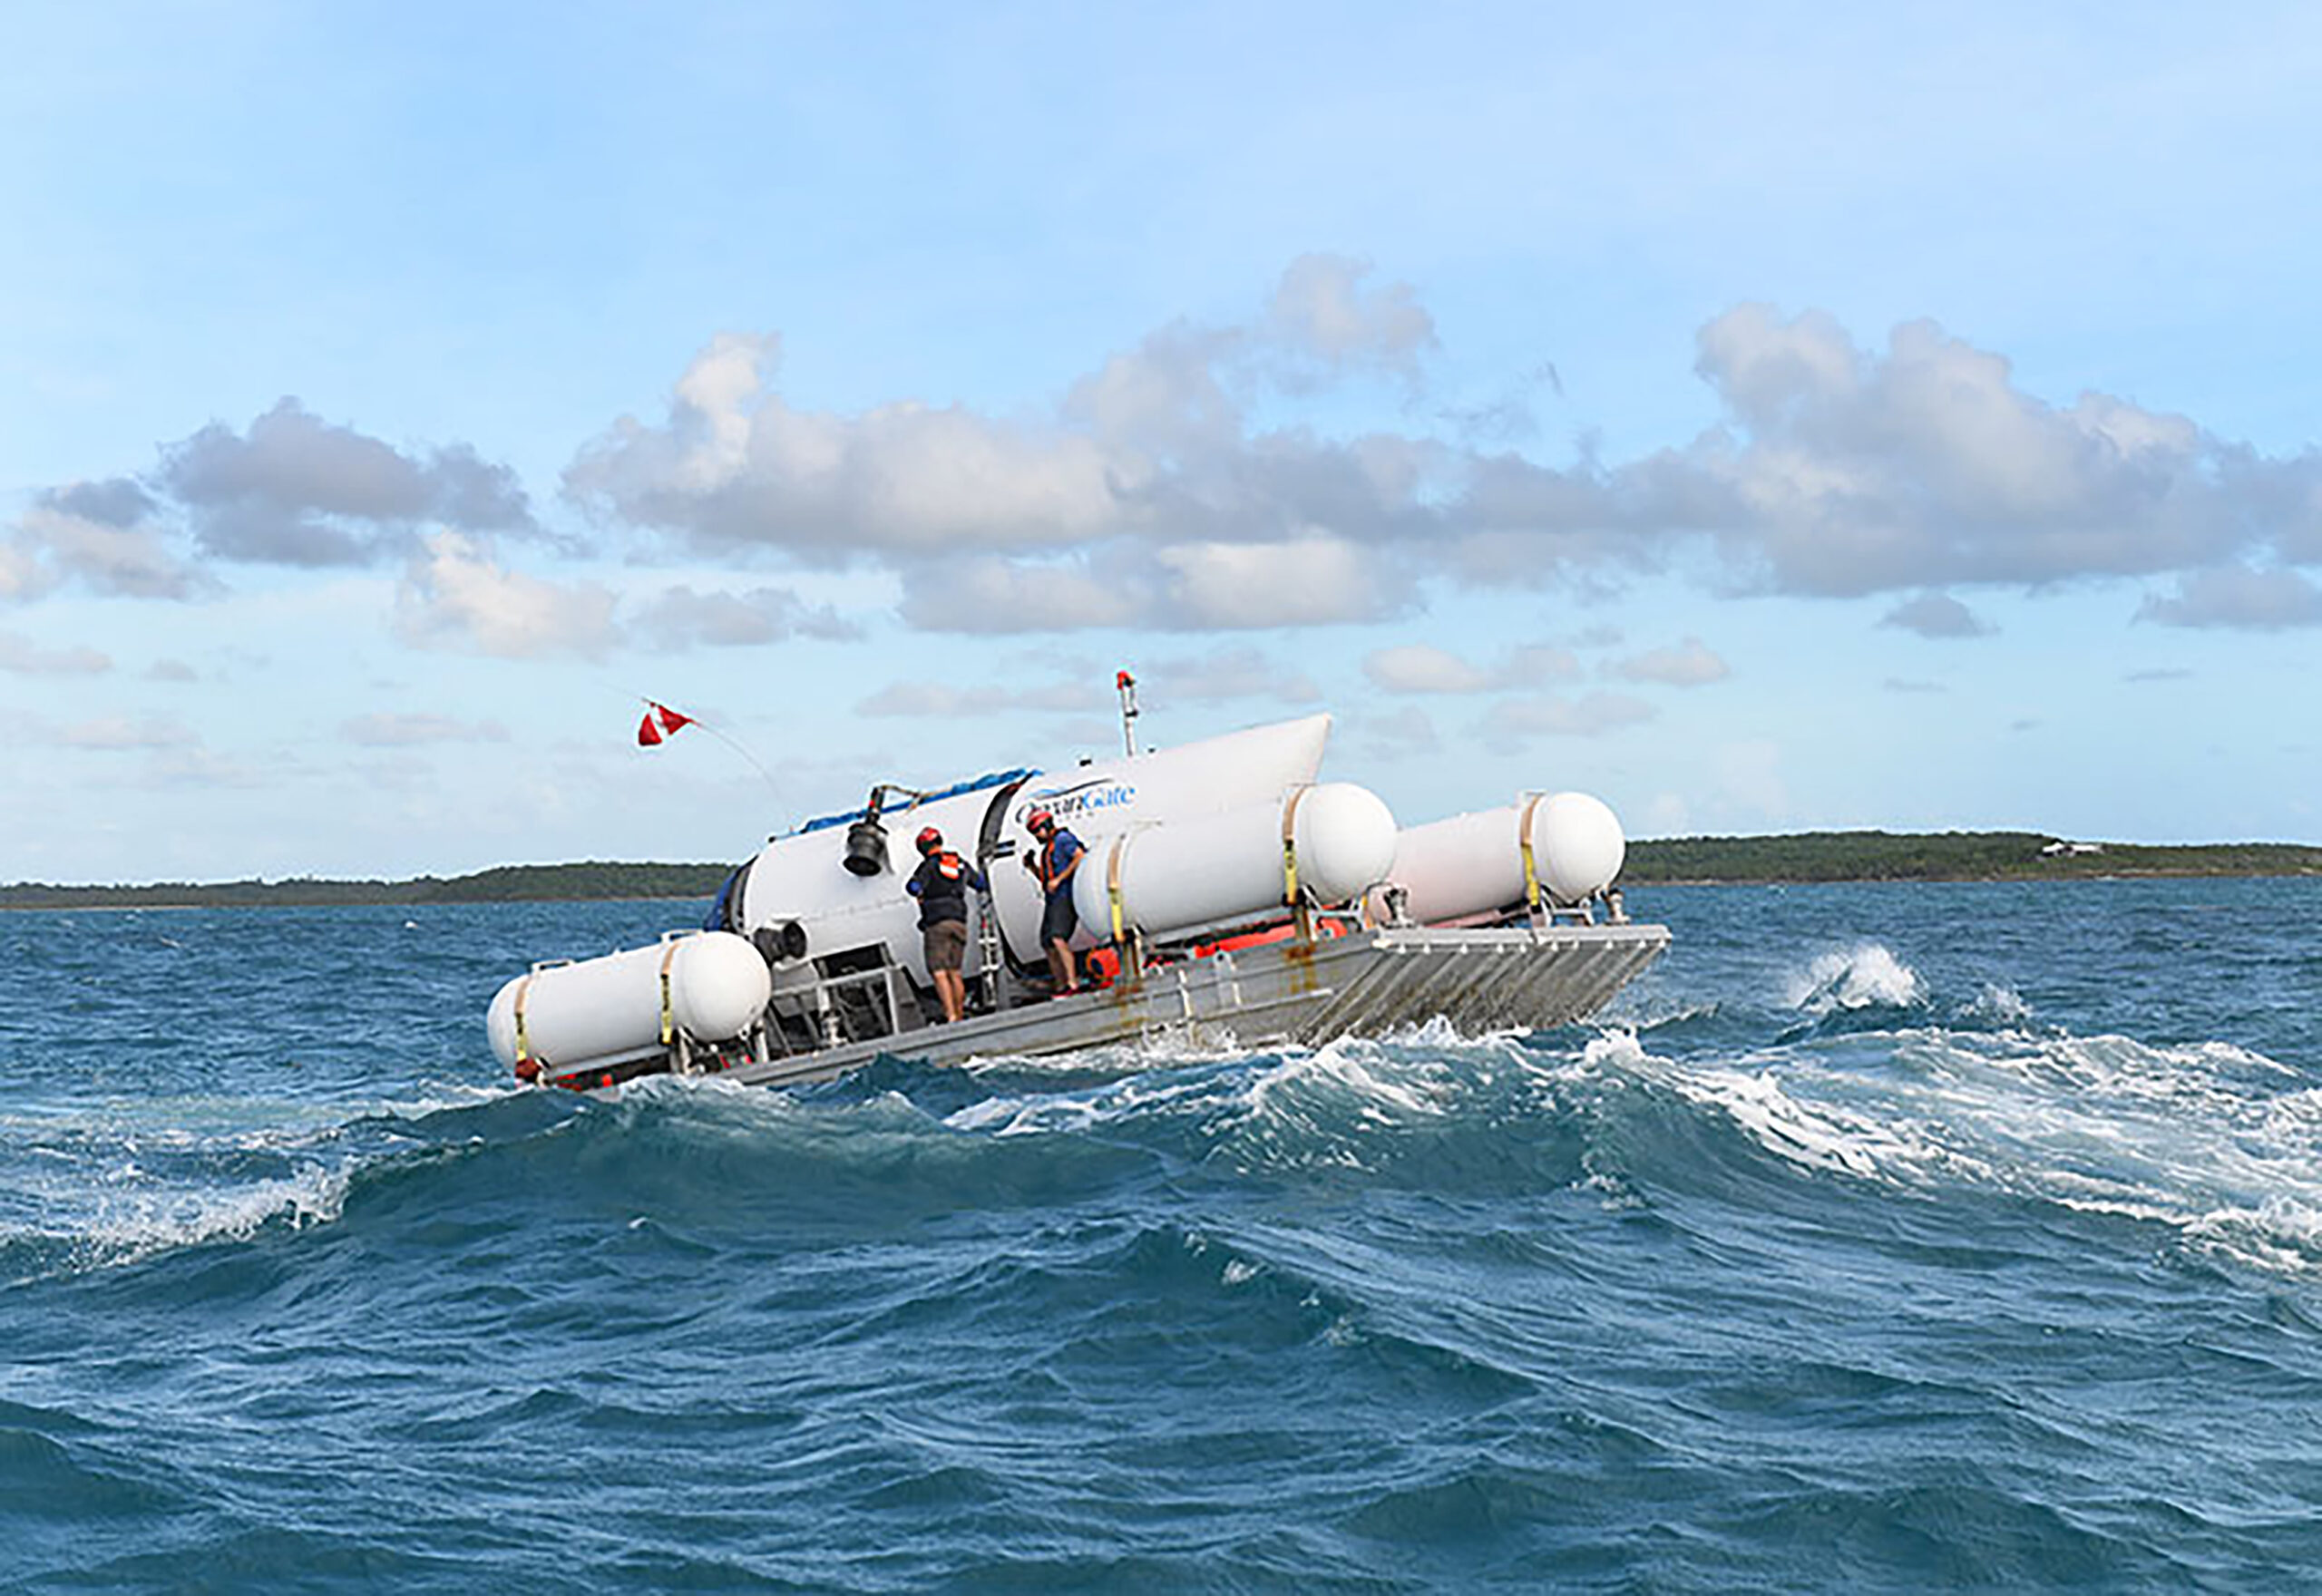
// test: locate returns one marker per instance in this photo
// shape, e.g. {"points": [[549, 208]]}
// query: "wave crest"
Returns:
{"points": [[1865, 976]]}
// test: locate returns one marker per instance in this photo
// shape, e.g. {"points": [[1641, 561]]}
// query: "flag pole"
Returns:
{"points": [[654, 706]]}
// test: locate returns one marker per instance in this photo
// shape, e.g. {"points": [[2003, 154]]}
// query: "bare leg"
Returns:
{"points": [[1060, 964], [952, 989]]}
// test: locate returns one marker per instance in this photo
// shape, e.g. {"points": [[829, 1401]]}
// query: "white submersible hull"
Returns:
{"points": [[1225, 897]]}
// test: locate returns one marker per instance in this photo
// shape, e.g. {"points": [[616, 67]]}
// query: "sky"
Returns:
{"points": [[1766, 418]]}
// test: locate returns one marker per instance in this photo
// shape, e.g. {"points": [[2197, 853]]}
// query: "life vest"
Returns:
{"points": [[1050, 869]]}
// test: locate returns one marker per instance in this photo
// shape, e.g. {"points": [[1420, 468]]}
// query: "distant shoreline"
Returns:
{"points": [[1798, 859]]}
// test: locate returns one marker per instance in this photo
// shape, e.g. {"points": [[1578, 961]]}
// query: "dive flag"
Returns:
{"points": [[661, 721]]}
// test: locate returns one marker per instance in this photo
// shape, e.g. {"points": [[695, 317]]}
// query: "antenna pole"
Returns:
{"points": [[1127, 685]]}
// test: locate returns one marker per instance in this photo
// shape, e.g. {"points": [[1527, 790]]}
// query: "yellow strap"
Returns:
{"points": [[1524, 842], [1290, 846], [523, 1044], [1113, 881], [668, 1021]]}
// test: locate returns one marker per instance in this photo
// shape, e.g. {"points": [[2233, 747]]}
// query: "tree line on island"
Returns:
{"points": [[1799, 857]]}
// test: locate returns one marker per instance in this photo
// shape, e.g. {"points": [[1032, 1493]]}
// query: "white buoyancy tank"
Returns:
{"points": [[568, 1015], [1472, 864], [799, 878], [1181, 875]]}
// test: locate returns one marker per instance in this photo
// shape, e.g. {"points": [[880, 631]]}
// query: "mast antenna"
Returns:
{"points": [[1127, 685]]}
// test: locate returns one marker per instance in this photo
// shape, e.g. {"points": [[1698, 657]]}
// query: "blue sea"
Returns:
{"points": [[1881, 1239]]}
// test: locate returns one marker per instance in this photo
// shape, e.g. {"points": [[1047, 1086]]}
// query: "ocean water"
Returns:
{"points": [[1882, 1239]]}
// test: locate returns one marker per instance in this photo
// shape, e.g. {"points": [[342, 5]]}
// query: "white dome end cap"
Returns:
{"points": [[1345, 836], [718, 985], [1576, 845]]}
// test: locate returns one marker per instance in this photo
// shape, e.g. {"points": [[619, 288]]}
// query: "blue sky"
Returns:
{"points": [[1766, 419]]}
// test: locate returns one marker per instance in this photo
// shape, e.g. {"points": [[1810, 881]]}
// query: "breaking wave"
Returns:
{"points": [[1866, 975], [2217, 1145], [1966, 1237]]}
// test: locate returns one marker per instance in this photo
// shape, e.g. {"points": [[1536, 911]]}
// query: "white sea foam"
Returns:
{"points": [[1382, 1088], [128, 1219], [1865, 975], [1061, 1113], [2200, 1137], [2000, 1005], [1824, 1136], [121, 1179]]}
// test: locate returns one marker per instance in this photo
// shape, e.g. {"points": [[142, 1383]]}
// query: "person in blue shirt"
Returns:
{"points": [[1059, 855], [940, 884]]}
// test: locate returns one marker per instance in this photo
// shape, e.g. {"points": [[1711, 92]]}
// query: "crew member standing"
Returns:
{"points": [[1059, 855], [940, 884]]}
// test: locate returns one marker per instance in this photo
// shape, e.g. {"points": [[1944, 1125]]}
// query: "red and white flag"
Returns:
{"points": [[661, 721]]}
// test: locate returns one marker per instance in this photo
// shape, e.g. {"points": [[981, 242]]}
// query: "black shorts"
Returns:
{"points": [[1058, 920]]}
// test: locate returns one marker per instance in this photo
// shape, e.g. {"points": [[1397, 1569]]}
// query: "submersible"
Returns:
{"points": [[1226, 894]]}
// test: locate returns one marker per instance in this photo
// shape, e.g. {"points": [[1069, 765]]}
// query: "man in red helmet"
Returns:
{"points": [[940, 884], [1057, 855]]}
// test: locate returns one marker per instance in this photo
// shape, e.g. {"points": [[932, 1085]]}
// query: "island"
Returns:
{"points": [[1801, 858]]}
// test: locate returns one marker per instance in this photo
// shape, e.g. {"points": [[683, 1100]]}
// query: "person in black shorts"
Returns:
{"points": [[1056, 859], [940, 884]]}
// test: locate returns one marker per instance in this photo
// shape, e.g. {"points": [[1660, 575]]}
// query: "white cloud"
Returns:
{"points": [[54, 542], [22, 574], [943, 701], [1150, 496], [1402, 733], [995, 595], [1520, 719], [1199, 587], [1208, 477], [1227, 674], [1841, 471], [191, 766], [22, 656], [679, 616], [1689, 664], [1079, 687], [1154, 494], [409, 729], [1938, 615], [454, 596], [1323, 311], [295, 489], [2235, 595], [735, 466], [121, 734], [1422, 668], [1313, 580]]}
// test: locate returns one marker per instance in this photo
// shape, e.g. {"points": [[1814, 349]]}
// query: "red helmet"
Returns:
{"points": [[1037, 818], [929, 837]]}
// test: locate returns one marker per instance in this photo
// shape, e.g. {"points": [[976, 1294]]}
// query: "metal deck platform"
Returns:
{"points": [[1363, 983]]}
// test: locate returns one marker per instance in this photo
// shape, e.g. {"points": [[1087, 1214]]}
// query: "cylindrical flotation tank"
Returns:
{"points": [[1176, 875], [806, 878], [1472, 864], [572, 1015]]}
